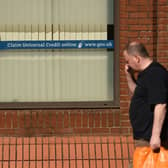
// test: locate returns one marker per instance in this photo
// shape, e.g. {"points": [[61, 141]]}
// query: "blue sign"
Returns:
{"points": [[59, 44]]}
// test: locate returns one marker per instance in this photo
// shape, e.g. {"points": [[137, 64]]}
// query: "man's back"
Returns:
{"points": [[151, 89]]}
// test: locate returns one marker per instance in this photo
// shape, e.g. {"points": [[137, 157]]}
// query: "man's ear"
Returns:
{"points": [[137, 58]]}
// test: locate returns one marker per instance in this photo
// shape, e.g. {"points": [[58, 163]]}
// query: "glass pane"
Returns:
{"points": [[56, 11], [56, 76]]}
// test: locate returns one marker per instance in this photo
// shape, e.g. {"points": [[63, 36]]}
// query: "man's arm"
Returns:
{"points": [[159, 116], [130, 80]]}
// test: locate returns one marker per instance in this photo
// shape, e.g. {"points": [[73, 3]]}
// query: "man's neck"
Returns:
{"points": [[145, 63]]}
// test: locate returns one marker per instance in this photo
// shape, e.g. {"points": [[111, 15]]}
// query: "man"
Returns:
{"points": [[149, 100]]}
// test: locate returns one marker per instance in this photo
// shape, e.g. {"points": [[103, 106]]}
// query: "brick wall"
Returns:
{"points": [[163, 32], [143, 20], [43, 122]]}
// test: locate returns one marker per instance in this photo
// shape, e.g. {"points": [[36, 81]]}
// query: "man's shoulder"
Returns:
{"points": [[157, 69], [158, 66]]}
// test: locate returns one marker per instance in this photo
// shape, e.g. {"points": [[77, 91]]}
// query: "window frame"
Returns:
{"points": [[82, 104]]}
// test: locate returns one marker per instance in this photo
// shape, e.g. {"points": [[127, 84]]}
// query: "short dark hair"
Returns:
{"points": [[134, 48]]}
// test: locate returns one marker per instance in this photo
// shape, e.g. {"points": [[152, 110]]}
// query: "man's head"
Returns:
{"points": [[135, 53]]}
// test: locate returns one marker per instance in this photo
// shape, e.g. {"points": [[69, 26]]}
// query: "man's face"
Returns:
{"points": [[131, 61]]}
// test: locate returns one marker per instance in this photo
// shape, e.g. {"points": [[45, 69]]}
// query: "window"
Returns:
{"points": [[59, 77]]}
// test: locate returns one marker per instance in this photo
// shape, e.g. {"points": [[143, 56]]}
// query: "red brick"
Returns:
{"points": [[46, 119], [39, 164], [52, 151], [104, 139], [79, 163], [64, 140], [79, 151], [105, 163], [26, 140], [118, 149], [59, 120], [82, 131], [1, 152], [66, 164], [78, 120], [104, 119], [136, 15], [45, 151], [45, 140], [26, 152], [53, 119], [32, 164], [6, 140], [58, 152], [93, 163], [1, 140], [99, 164], [6, 152], [59, 164], [34, 119], [84, 139], [117, 139], [5, 165], [116, 131], [27, 119], [110, 119], [12, 152], [97, 139], [19, 164], [98, 151], [26, 164], [78, 139], [32, 152], [91, 139], [58, 140], [65, 152], [113, 163], [39, 140], [92, 151], [119, 163], [131, 150], [85, 119], [72, 119], [91, 120], [32, 140], [19, 152], [85, 151], [66, 120], [21, 119], [12, 140], [97, 119], [72, 164], [72, 151], [9, 119], [19, 141], [86, 163], [40, 120], [125, 150], [46, 164], [100, 130], [111, 151], [52, 164], [39, 152], [104, 151], [14, 119]]}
